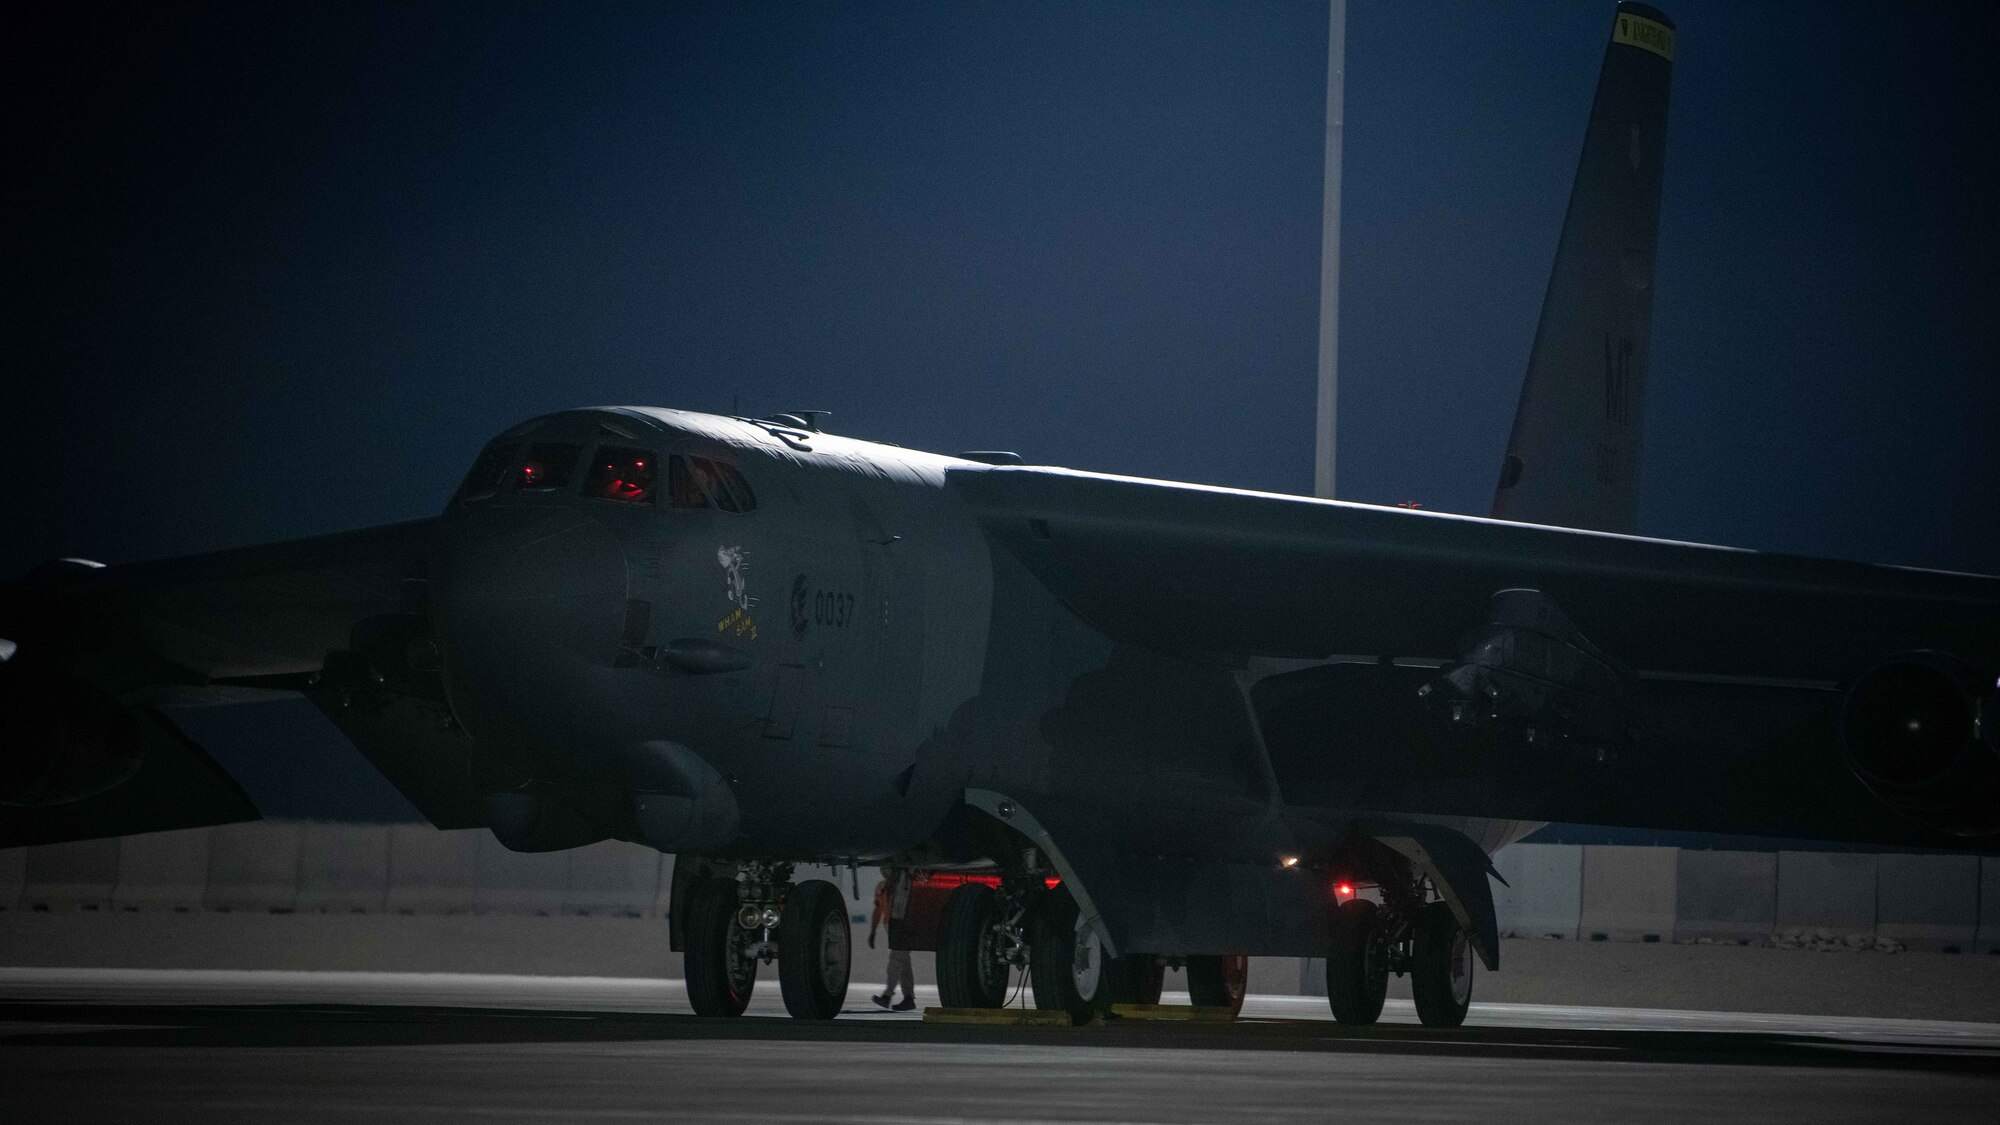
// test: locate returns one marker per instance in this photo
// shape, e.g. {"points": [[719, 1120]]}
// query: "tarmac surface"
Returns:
{"points": [[172, 1045]]}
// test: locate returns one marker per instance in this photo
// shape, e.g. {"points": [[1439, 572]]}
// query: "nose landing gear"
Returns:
{"points": [[761, 917]]}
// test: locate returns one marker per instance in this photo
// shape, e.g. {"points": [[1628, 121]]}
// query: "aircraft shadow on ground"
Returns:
{"points": [[44, 1023]]}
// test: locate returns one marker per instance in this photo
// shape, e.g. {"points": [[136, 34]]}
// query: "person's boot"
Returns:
{"points": [[881, 1001], [909, 1002]]}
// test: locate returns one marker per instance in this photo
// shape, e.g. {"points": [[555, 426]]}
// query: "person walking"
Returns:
{"points": [[892, 898]]}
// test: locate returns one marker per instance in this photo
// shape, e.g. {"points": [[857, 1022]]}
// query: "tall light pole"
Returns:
{"points": [[1329, 254]]}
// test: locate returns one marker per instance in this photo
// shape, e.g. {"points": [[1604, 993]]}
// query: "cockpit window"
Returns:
{"points": [[548, 467], [697, 482], [683, 490], [489, 471], [731, 479], [623, 473]]}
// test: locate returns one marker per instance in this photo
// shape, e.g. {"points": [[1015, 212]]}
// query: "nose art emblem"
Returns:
{"points": [[736, 592]]}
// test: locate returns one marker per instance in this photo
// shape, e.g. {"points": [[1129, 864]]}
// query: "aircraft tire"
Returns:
{"points": [[1137, 978], [1440, 968], [719, 978], [1218, 980], [815, 951], [1085, 994], [1357, 965], [969, 975]]}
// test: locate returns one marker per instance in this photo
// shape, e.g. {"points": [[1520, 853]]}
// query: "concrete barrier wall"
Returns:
{"points": [[1832, 891], [1988, 940], [1928, 901], [1725, 896], [1544, 895], [253, 866], [1562, 891], [612, 878], [432, 872], [80, 875], [1628, 893], [343, 867], [163, 870], [519, 882]]}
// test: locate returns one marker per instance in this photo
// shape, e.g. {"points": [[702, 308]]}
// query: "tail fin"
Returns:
{"points": [[1573, 457]]}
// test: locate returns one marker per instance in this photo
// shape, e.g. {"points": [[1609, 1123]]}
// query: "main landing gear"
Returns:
{"points": [[1218, 981], [982, 940], [1214, 980], [760, 917], [989, 933], [1404, 934]]}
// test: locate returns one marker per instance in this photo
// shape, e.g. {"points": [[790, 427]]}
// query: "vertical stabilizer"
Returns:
{"points": [[1573, 457]]}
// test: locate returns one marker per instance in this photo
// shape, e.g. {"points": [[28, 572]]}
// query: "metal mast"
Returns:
{"points": [[1329, 254]]}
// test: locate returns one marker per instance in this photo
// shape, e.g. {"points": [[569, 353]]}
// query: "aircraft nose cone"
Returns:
{"points": [[533, 606]]}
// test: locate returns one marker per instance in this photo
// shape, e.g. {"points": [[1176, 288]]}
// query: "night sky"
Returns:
{"points": [[281, 271]]}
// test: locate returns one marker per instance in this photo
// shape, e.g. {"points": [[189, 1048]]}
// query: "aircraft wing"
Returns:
{"points": [[1704, 683], [267, 610], [1184, 567], [94, 652]]}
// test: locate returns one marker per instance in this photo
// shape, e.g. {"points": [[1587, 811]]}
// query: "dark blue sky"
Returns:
{"points": [[281, 271]]}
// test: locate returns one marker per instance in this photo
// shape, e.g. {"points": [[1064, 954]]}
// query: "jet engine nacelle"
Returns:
{"points": [[61, 739], [1922, 732]]}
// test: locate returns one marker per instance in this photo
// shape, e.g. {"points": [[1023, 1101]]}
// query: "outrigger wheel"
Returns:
{"points": [[1069, 968], [1440, 967], [716, 958], [815, 950], [1218, 980], [970, 971], [1357, 965]]}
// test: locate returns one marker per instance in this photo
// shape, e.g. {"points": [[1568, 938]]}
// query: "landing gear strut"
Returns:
{"points": [[760, 917]]}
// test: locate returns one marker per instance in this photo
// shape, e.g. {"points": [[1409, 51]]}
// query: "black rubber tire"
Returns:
{"points": [[1357, 965], [1051, 953], [1439, 942], [815, 950], [968, 975], [1218, 980], [1137, 978], [707, 952]]}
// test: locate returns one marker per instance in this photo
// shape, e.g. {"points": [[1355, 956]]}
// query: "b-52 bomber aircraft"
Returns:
{"points": [[1173, 723]]}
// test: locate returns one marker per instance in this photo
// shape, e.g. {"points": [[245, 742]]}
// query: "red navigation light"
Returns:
{"points": [[1344, 890]]}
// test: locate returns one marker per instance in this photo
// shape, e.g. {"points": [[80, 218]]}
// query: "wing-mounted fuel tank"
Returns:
{"points": [[1529, 670], [1922, 733]]}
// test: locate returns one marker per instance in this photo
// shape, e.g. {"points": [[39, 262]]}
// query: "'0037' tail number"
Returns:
{"points": [[810, 606]]}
